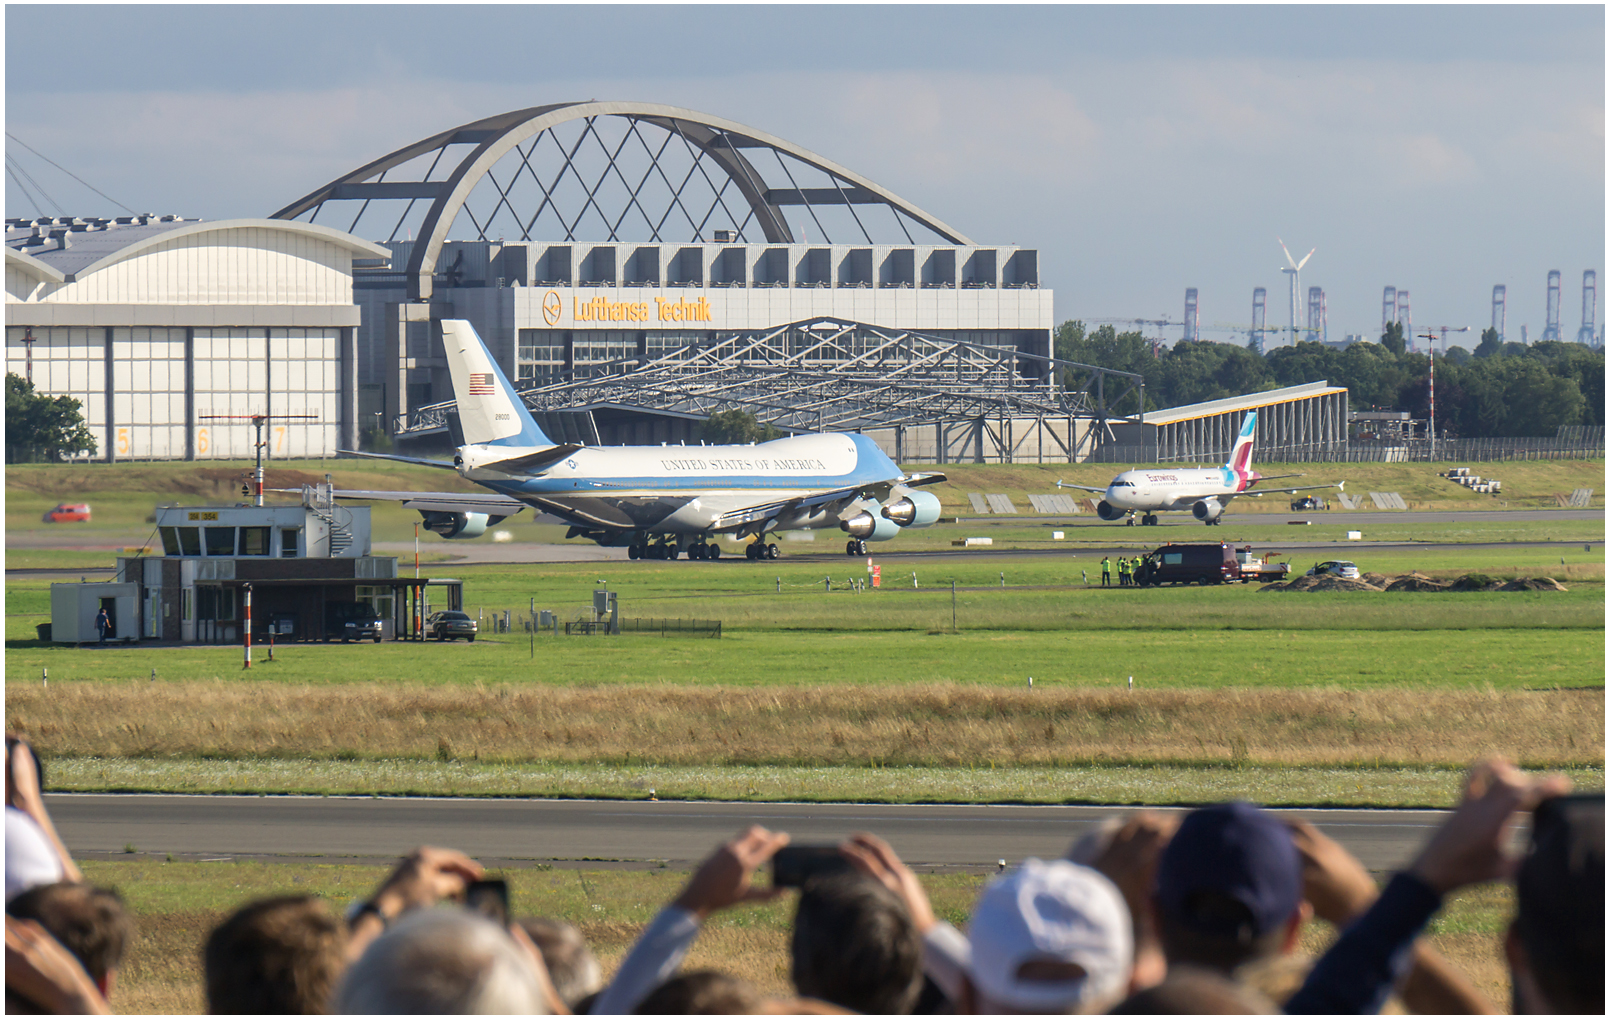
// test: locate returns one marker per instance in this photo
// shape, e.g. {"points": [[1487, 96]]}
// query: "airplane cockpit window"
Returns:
{"points": [[1120, 484]]}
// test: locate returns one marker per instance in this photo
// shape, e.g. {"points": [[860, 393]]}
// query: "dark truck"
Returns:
{"points": [[1202, 563], [351, 621]]}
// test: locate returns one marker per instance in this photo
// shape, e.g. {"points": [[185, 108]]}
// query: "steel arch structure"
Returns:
{"points": [[706, 140], [827, 374]]}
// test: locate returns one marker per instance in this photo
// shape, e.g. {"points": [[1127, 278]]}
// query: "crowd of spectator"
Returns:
{"points": [[1195, 913]]}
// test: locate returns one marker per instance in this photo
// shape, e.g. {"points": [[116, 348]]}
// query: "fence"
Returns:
{"points": [[1577, 447], [662, 627]]}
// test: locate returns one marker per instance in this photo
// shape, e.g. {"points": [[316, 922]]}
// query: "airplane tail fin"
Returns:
{"points": [[1241, 454], [488, 411]]}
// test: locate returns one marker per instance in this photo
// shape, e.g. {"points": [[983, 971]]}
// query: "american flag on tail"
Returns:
{"points": [[481, 384]]}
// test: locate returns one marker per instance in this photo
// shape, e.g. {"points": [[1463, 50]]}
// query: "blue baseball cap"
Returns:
{"points": [[1231, 870]]}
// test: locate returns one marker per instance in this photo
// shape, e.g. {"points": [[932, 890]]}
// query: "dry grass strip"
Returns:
{"points": [[907, 724]]}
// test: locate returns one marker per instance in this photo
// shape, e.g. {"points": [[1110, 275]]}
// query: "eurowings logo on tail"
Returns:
{"points": [[1241, 455]]}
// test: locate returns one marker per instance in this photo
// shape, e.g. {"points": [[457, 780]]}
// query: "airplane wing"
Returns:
{"points": [[1291, 488], [400, 459], [1265, 478], [766, 511], [923, 478], [447, 502], [1069, 485]]}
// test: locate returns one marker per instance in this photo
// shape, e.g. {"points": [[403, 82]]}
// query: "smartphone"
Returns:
{"points": [[489, 897], [796, 863]]}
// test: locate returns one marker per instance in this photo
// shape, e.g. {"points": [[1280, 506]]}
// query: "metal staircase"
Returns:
{"points": [[320, 499]]}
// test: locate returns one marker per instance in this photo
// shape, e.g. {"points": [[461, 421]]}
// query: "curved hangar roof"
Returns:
{"points": [[608, 170], [65, 250]]}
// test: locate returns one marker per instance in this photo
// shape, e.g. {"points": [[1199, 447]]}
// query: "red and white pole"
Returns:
{"points": [[1432, 390], [248, 628]]}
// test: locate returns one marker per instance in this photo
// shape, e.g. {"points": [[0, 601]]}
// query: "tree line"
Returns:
{"points": [[1500, 389]]}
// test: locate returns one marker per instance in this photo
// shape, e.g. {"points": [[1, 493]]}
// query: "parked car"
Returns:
{"points": [[352, 621], [62, 512], [449, 625], [1335, 568], [1309, 503], [1202, 563]]}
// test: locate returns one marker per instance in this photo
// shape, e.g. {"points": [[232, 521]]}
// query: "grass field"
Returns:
{"points": [[844, 685], [177, 903], [818, 690]]}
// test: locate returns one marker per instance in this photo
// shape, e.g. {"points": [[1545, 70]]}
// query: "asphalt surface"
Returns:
{"points": [[510, 831], [829, 545]]}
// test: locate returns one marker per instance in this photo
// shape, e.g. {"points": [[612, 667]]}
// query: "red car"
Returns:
{"points": [[67, 512]]}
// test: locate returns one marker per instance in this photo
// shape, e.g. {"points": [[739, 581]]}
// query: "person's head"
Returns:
{"points": [[1555, 945], [571, 965], [1048, 938], [704, 992], [1189, 990], [441, 961], [279, 955], [90, 922], [855, 945], [1229, 888]]}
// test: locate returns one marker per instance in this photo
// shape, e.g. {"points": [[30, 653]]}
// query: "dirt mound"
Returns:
{"points": [[1415, 581], [1379, 580], [1474, 582], [1533, 584], [1307, 583]]}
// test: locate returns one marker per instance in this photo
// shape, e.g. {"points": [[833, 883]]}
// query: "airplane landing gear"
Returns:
{"points": [[855, 547], [1149, 520]]}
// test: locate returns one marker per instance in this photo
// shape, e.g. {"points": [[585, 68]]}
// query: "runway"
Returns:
{"points": [[511, 832]]}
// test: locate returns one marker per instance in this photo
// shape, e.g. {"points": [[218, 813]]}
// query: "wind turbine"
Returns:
{"points": [[1295, 268]]}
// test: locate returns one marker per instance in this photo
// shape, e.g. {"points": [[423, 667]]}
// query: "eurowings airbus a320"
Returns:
{"points": [[1205, 492], [657, 501]]}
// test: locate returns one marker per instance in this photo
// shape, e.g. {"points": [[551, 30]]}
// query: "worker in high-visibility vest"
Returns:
{"points": [[1106, 571], [1123, 571]]}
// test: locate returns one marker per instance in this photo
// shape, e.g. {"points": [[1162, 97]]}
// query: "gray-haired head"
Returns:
{"points": [[441, 961]]}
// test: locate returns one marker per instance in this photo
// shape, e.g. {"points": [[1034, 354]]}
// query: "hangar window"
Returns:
{"points": [[189, 543], [288, 542], [220, 541], [170, 541], [253, 542]]}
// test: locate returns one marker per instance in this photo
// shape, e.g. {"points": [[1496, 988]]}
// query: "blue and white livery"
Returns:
{"points": [[657, 500]]}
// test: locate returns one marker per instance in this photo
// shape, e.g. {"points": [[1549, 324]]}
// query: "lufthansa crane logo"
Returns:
{"points": [[552, 308]]}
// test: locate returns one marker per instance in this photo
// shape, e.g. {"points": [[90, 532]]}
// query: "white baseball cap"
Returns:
{"points": [[1059, 912]]}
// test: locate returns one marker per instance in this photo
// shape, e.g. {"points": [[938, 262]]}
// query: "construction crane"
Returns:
{"points": [[1257, 333], [1156, 341], [1444, 331]]}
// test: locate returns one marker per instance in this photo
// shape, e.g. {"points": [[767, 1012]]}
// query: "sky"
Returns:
{"points": [[1142, 150]]}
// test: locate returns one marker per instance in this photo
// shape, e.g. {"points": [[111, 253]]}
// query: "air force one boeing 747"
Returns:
{"points": [[653, 499], [1203, 491]]}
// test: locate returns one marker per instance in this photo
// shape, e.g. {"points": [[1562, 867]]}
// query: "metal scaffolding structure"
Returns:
{"points": [[832, 375], [608, 171]]}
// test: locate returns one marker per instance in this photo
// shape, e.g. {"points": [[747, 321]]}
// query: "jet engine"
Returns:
{"points": [[867, 527], [1107, 512], [1207, 511], [913, 510], [457, 525]]}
